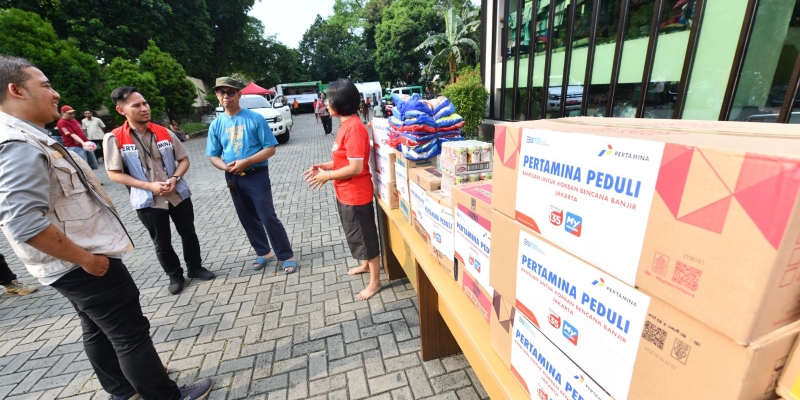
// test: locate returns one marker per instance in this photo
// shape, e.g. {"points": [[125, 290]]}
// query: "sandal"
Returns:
{"points": [[290, 264], [261, 262]]}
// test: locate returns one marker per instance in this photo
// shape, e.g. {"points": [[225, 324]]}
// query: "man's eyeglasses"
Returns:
{"points": [[229, 92]]}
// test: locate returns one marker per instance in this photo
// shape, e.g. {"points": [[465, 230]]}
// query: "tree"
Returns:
{"points": [[371, 16], [330, 51], [74, 74], [469, 96], [405, 24], [179, 92], [187, 37], [452, 46], [122, 72]]}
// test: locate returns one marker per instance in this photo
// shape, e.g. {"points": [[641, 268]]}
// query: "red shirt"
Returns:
{"points": [[352, 143], [66, 128]]}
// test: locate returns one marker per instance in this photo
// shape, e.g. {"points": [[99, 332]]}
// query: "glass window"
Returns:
{"points": [[771, 55], [510, 53], [580, 51], [673, 38], [559, 39], [634, 52], [603, 58], [795, 117]]}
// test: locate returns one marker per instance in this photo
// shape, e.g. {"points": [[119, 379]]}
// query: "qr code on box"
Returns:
{"points": [[686, 275], [654, 334]]}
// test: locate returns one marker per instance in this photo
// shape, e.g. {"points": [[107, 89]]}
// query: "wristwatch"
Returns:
{"points": [[177, 178]]}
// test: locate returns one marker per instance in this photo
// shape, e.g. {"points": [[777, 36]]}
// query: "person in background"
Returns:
{"points": [[151, 162], [295, 107], [240, 142], [176, 129], [74, 138], [9, 280], [324, 114], [352, 183], [83, 263], [94, 131], [363, 107], [316, 112]]}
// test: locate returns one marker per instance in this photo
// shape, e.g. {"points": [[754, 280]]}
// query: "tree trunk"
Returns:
{"points": [[451, 61]]}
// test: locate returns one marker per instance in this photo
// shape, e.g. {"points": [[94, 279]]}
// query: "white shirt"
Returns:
{"points": [[93, 128]]}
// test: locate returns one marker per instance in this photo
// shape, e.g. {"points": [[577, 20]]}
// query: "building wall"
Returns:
{"points": [[731, 71]]}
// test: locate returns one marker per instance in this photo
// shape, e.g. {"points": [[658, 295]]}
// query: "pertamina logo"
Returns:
{"points": [[574, 224], [556, 216], [622, 154], [599, 282], [570, 332], [579, 378]]}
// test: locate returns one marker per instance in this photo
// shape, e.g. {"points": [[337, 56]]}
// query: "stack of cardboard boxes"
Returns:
{"points": [[644, 262], [382, 164]]}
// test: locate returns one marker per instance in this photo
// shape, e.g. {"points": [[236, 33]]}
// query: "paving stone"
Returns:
{"points": [[258, 334]]}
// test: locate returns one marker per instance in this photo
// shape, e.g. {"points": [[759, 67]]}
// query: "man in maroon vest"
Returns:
{"points": [[151, 162]]}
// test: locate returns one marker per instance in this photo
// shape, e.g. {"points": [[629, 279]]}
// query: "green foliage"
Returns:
{"points": [[456, 43], [371, 16], [192, 127], [469, 97], [73, 74], [329, 50], [269, 62], [404, 25], [122, 72], [178, 91]]}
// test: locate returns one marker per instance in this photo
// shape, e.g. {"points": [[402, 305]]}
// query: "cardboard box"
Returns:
{"points": [[428, 178], [677, 357], [386, 192], [430, 162], [788, 386], [384, 165], [417, 195], [668, 212], [380, 134], [401, 177], [405, 209], [439, 214], [472, 210]]}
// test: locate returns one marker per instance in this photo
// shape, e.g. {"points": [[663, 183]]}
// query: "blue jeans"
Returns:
{"points": [[253, 202], [87, 156]]}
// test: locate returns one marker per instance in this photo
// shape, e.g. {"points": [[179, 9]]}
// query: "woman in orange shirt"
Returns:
{"points": [[352, 182]]}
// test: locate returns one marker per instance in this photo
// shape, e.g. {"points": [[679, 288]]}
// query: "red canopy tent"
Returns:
{"points": [[252, 88]]}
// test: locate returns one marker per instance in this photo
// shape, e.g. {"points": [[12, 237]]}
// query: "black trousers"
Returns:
{"points": [[116, 336], [157, 223], [327, 124], [6, 276]]}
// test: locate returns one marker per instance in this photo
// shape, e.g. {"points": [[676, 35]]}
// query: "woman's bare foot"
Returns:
{"points": [[359, 270], [369, 291]]}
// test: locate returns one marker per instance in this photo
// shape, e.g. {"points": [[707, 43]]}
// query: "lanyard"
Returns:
{"points": [[146, 151]]}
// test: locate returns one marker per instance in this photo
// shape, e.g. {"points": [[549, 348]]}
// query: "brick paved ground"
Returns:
{"points": [[258, 334]]}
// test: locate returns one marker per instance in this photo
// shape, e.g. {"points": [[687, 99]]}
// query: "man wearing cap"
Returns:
{"points": [[151, 162], [240, 142], [63, 227], [74, 138]]}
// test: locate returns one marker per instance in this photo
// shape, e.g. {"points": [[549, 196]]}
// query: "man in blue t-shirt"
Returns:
{"points": [[240, 142]]}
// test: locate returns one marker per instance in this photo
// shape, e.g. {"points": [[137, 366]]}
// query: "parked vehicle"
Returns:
{"points": [[282, 104], [273, 117], [409, 90], [306, 93]]}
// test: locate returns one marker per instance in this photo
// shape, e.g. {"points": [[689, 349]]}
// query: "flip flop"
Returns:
{"points": [[261, 262], [290, 264]]}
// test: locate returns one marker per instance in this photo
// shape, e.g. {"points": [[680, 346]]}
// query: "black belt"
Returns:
{"points": [[251, 171]]}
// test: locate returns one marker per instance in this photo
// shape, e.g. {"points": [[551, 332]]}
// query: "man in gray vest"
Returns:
{"points": [[63, 227], [151, 162]]}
